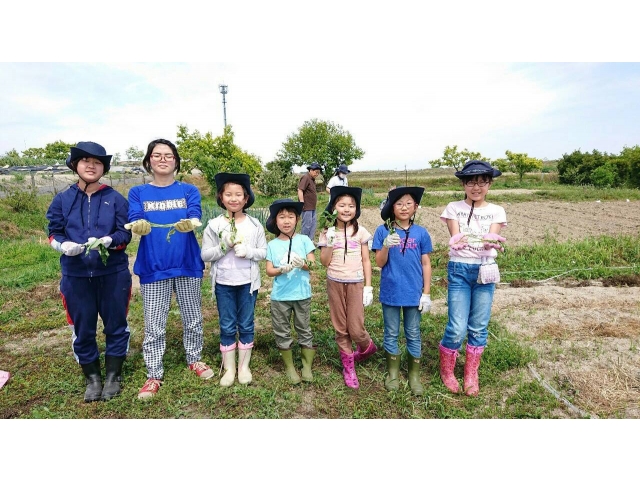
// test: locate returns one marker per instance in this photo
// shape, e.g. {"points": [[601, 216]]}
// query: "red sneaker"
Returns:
{"points": [[201, 369], [150, 388]]}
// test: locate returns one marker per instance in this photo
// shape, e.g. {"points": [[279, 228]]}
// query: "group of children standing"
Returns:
{"points": [[91, 225]]}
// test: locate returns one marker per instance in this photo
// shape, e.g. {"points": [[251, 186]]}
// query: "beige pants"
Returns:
{"points": [[347, 315]]}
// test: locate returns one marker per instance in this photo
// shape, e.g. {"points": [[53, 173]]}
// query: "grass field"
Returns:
{"points": [[35, 341], [47, 384]]}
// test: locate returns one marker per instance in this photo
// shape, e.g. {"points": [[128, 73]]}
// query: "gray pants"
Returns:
{"points": [[309, 221], [281, 322]]}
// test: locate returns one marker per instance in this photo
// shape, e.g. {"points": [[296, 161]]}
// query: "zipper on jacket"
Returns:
{"points": [[89, 223]]}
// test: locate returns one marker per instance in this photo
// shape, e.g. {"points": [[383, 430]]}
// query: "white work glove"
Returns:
{"points": [[106, 241], [226, 239], [425, 303], [391, 240], [184, 226], [331, 236], [296, 260], [458, 241], [71, 249], [286, 268], [367, 296], [240, 249], [141, 227]]}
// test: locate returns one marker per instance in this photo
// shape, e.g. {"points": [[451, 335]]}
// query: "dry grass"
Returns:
{"points": [[606, 389]]}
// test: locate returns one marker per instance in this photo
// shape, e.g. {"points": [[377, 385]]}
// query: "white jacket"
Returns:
{"points": [[256, 243]]}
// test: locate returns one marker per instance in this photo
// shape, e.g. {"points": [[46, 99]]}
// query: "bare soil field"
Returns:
{"points": [[531, 222], [587, 335]]}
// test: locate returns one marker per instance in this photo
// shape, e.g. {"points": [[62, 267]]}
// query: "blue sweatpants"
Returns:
{"points": [[85, 298]]}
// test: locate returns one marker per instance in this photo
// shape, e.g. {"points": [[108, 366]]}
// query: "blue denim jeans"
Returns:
{"points": [[236, 307], [412, 317], [469, 306]]}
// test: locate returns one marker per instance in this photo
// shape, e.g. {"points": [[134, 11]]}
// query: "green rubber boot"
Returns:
{"points": [[307, 355], [414, 375], [290, 370], [392, 381]]}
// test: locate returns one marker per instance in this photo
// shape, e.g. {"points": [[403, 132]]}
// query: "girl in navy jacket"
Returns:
{"points": [[85, 212]]}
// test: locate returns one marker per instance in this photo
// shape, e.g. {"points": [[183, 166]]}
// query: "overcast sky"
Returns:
{"points": [[400, 76], [402, 110]]}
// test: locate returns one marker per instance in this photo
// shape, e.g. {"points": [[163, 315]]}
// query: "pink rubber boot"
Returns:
{"points": [[447, 363], [349, 371], [362, 355], [471, 365]]}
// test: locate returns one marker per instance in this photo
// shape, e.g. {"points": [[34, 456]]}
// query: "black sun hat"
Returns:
{"points": [[477, 167], [340, 190], [275, 208], [89, 150], [239, 178], [393, 196]]}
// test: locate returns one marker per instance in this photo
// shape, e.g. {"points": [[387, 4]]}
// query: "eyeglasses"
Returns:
{"points": [[158, 156], [408, 205], [476, 184]]}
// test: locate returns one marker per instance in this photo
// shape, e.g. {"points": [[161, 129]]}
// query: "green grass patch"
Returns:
{"points": [[47, 383]]}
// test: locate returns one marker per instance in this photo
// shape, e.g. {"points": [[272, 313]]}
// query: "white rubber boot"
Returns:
{"points": [[229, 364], [244, 357]]}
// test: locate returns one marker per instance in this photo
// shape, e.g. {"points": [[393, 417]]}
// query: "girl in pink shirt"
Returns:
{"points": [[345, 253]]}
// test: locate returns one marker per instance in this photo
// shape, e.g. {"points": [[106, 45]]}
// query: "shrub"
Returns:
{"points": [[20, 200], [604, 176], [277, 181]]}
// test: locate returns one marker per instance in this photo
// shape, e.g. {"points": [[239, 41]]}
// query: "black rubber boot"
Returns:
{"points": [[93, 380], [113, 367]]}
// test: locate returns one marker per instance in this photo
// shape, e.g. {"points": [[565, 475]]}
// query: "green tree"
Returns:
{"points": [[604, 176], [319, 141], [277, 179], [34, 153], [213, 155], [576, 168], [58, 150], [519, 163], [451, 157], [11, 158], [631, 156], [115, 159], [134, 153]]}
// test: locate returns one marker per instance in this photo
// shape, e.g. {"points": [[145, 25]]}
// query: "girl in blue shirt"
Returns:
{"points": [[291, 294], [402, 252]]}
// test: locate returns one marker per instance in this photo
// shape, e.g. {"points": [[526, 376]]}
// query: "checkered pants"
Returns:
{"points": [[156, 299]]}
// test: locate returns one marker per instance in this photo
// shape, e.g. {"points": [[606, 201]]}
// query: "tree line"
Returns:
{"points": [[330, 145]]}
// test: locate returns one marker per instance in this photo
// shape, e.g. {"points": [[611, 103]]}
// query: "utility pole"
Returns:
{"points": [[223, 90]]}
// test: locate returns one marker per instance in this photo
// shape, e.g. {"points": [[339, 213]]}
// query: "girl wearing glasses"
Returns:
{"points": [[402, 252], [345, 253], [474, 226], [167, 262]]}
